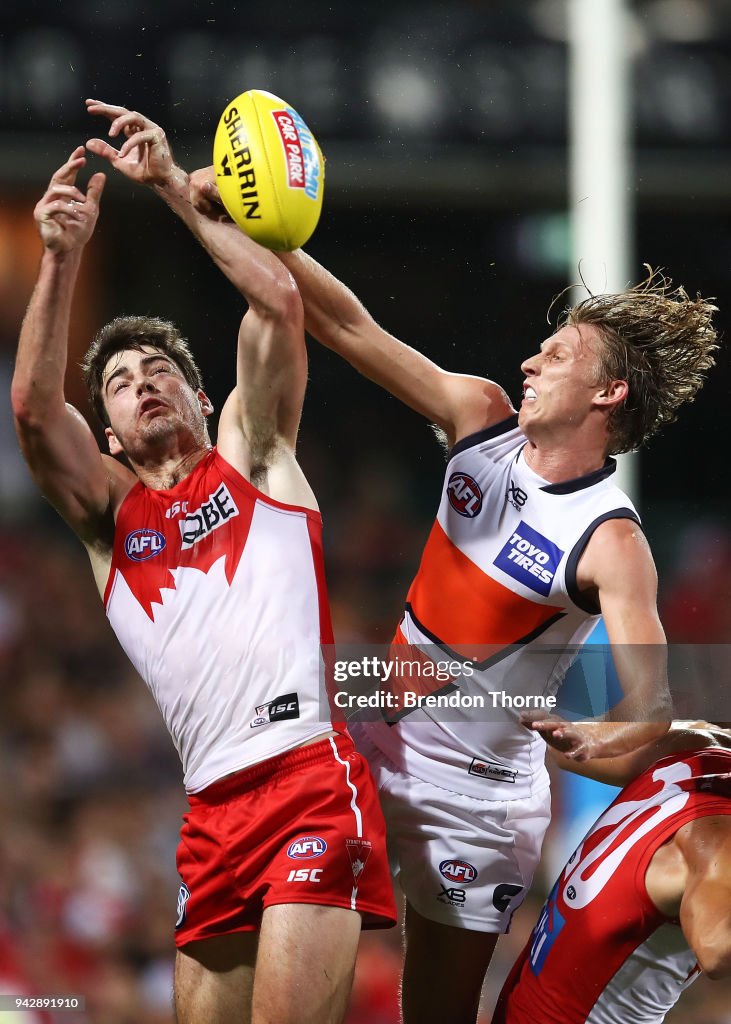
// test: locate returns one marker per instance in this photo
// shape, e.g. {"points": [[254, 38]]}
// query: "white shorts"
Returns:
{"points": [[459, 861]]}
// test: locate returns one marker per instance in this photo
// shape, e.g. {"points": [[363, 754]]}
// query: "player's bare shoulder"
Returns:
{"points": [[477, 403], [617, 555], [262, 457], [98, 536]]}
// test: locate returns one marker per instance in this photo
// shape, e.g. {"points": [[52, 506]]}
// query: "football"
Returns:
{"points": [[270, 171]]}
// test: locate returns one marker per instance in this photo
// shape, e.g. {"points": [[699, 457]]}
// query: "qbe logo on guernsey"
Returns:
{"points": [[530, 558]]}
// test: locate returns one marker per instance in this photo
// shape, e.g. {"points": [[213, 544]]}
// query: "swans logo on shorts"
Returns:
{"points": [[183, 897], [464, 495], [143, 544], [530, 558], [458, 871], [307, 847]]}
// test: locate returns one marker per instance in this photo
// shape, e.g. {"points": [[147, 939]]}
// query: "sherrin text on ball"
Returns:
{"points": [[269, 170]]}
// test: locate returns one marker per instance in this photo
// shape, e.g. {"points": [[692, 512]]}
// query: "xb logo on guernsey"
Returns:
{"points": [[464, 495], [143, 544]]}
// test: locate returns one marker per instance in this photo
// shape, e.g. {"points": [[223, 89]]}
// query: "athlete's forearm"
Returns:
{"points": [[333, 313], [40, 367], [253, 270]]}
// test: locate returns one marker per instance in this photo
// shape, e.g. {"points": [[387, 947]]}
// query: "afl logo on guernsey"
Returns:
{"points": [[464, 495], [307, 847], [143, 544], [458, 871]]}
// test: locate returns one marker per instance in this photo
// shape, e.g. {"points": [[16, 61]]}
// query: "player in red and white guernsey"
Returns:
{"points": [[532, 543], [209, 560], [644, 903]]}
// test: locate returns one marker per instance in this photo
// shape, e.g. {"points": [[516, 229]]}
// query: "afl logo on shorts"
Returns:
{"points": [[458, 871], [464, 495], [307, 847], [143, 544]]}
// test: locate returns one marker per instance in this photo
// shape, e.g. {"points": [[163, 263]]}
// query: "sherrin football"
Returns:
{"points": [[269, 170]]}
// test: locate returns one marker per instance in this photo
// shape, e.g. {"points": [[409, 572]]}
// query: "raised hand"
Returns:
{"points": [[205, 196], [65, 216], [145, 156]]}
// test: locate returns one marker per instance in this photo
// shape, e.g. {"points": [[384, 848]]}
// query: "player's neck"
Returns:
{"points": [[556, 463], [164, 474]]}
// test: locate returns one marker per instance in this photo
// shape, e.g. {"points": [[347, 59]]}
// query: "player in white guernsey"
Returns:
{"points": [[644, 903], [209, 561], [532, 543]]}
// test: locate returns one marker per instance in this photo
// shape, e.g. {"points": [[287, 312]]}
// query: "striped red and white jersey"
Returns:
{"points": [[217, 594], [497, 587], [602, 953]]}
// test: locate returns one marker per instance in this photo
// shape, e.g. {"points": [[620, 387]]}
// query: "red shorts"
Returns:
{"points": [[303, 827]]}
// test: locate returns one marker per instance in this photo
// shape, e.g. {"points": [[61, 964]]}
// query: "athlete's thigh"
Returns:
{"points": [[304, 969], [444, 971], [214, 979]]}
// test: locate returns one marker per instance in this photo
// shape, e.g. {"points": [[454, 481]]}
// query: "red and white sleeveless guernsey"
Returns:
{"points": [[602, 953], [217, 594], [497, 586]]}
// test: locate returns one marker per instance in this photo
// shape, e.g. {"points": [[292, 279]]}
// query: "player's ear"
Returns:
{"points": [[205, 403], [115, 448], [613, 393]]}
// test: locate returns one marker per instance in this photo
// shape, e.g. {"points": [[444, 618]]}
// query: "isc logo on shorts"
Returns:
{"points": [[458, 871], [530, 558], [464, 495], [307, 847], [143, 544]]}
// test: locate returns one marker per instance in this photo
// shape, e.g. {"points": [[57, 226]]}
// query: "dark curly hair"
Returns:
{"points": [[657, 339], [134, 332]]}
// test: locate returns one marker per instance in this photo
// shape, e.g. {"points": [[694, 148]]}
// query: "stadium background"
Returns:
{"points": [[444, 128]]}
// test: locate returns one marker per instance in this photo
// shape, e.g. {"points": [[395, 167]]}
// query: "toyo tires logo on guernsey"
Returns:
{"points": [[143, 544], [464, 495], [530, 558], [307, 847], [458, 871]]}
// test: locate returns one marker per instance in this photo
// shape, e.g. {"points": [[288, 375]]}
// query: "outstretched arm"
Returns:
{"points": [[56, 440], [617, 568], [458, 403], [271, 363]]}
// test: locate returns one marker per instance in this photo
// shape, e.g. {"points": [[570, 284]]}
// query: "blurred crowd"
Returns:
{"points": [[91, 805]]}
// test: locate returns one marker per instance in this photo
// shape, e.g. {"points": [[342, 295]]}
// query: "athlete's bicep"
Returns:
{"points": [[71, 472]]}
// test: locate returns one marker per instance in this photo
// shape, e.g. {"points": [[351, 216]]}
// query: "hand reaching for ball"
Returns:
{"points": [[145, 156], [205, 196]]}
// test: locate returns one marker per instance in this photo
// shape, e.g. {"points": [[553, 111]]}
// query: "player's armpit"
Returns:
{"points": [[705, 910]]}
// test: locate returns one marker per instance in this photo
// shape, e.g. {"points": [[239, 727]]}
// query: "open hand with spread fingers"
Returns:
{"points": [[65, 216], [145, 156]]}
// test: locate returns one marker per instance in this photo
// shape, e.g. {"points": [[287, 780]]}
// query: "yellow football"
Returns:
{"points": [[269, 170]]}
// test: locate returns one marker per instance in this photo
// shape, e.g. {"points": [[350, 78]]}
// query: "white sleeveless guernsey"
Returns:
{"points": [[497, 586], [217, 594]]}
